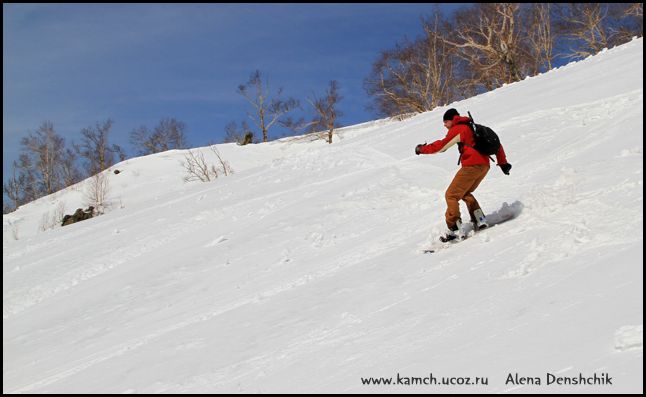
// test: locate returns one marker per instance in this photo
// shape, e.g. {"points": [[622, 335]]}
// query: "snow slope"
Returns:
{"points": [[302, 272]]}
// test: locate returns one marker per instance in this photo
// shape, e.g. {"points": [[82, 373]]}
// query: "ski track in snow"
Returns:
{"points": [[373, 250]]}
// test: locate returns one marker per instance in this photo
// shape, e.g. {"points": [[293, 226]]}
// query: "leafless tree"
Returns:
{"points": [[488, 37], [96, 149], [585, 24], [44, 167], [69, 170], [141, 141], [28, 181], [389, 83], [172, 134], [632, 18], [415, 76], [198, 169], [45, 149], [440, 65], [326, 110], [224, 166], [13, 189], [97, 193], [636, 10], [268, 109], [540, 36], [168, 134]]}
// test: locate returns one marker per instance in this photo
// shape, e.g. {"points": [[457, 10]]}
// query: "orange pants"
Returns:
{"points": [[464, 183]]}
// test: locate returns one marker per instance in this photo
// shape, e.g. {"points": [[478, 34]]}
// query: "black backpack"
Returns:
{"points": [[487, 141]]}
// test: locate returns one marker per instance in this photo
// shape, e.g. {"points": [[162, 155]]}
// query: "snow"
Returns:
{"points": [[303, 272]]}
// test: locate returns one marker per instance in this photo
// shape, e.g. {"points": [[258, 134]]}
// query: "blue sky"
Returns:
{"points": [[76, 65]]}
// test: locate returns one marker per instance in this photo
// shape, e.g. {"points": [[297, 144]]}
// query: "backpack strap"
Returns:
{"points": [[472, 125], [460, 144]]}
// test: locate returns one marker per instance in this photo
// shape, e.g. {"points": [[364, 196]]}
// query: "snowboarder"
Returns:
{"points": [[475, 166]]}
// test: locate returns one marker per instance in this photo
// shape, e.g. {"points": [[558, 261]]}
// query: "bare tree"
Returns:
{"points": [[97, 193], [414, 77], [224, 166], [172, 134], [440, 65], [168, 134], [636, 10], [198, 169], [141, 141], [28, 180], [45, 149], [267, 109], [586, 25], [326, 111], [13, 189], [488, 38], [390, 83], [631, 16], [44, 167], [541, 36], [96, 149], [70, 172]]}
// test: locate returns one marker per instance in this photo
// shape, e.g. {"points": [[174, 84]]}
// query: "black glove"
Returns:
{"points": [[505, 168], [418, 149]]}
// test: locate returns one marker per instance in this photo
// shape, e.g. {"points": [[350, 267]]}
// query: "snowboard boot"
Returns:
{"points": [[480, 221], [453, 233]]}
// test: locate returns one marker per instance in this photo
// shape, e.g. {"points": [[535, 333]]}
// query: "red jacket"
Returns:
{"points": [[461, 133]]}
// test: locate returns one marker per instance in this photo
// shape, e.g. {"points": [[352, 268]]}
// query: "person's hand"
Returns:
{"points": [[505, 168]]}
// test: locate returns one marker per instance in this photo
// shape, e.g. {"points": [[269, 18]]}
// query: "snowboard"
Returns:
{"points": [[468, 232], [439, 245]]}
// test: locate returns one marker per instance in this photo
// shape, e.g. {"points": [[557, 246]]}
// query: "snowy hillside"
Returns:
{"points": [[302, 271]]}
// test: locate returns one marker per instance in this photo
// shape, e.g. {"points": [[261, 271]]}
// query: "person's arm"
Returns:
{"points": [[501, 159], [439, 146]]}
